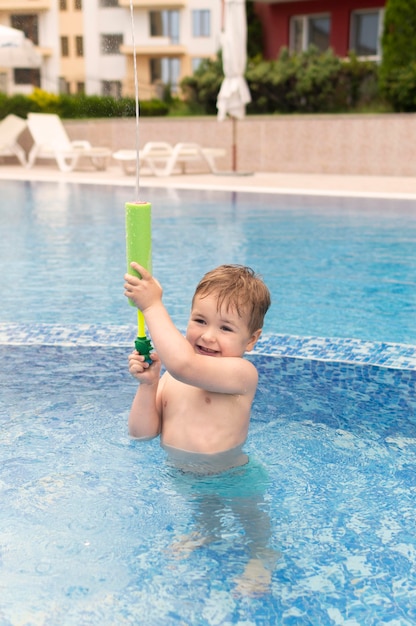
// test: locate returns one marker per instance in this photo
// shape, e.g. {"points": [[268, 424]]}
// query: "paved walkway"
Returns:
{"points": [[352, 186]]}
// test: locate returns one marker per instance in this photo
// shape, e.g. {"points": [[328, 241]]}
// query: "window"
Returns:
{"points": [[166, 71], [201, 23], [165, 24], [110, 44], [3, 82], [79, 46], [196, 62], [28, 24], [111, 88], [108, 3], [366, 32], [29, 76], [309, 30], [78, 5], [64, 46], [81, 87], [64, 86], [62, 5]]}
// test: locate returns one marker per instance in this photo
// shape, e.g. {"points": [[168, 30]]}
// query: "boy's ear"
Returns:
{"points": [[253, 340]]}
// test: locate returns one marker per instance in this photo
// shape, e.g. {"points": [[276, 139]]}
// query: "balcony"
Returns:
{"points": [[154, 4], [25, 5], [155, 50], [45, 52]]}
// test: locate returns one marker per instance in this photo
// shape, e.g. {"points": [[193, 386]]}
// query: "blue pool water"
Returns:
{"points": [[89, 516], [336, 268]]}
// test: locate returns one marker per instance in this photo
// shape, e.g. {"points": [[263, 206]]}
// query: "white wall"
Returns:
{"points": [[49, 38], [99, 66]]}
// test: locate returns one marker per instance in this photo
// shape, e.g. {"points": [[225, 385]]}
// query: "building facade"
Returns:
{"points": [[343, 25], [87, 46], [38, 20]]}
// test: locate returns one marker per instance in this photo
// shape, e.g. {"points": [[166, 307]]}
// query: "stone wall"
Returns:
{"points": [[329, 144]]}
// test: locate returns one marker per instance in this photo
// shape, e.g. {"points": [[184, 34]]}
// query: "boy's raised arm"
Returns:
{"points": [[225, 375]]}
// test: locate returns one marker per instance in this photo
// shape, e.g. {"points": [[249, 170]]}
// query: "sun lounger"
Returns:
{"points": [[52, 142], [11, 127], [163, 159]]}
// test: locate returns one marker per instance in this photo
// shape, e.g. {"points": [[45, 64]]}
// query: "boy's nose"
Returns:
{"points": [[208, 335]]}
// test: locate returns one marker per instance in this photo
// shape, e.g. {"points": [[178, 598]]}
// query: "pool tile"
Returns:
{"points": [[396, 356]]}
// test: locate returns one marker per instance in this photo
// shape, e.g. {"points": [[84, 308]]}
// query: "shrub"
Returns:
{"points": [[18, 104], [397, 71], [44, 102], [200, 90], [309, 82], [400, 88], [153, 108], [78, 106]]}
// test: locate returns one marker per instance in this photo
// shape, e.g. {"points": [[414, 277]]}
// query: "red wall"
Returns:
{"points": [[275, 20]]}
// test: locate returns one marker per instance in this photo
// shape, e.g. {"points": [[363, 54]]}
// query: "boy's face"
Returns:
{"points": [[222, 332]]}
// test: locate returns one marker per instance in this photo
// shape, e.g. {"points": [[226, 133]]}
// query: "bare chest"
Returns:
{"points": [[196, 419]]}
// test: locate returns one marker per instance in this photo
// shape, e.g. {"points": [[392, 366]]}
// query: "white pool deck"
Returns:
{"points": [[399, 187]]}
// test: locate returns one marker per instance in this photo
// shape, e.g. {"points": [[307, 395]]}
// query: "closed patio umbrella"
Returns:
{"points": [[234, 93], [16, 50]]}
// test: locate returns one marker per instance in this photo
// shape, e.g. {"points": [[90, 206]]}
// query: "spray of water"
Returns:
{"points": [[136, 91]]}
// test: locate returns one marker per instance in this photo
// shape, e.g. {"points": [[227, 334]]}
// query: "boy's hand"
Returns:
{"points": [[143, 291], [147, 373]]}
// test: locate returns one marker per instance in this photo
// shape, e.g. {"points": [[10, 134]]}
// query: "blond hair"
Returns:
{"points": [[239, 288]]}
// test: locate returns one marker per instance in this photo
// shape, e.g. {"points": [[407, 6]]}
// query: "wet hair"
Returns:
{"points": [[239, 288]]}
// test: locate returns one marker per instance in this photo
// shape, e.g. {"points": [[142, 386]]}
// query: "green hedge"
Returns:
{"points": [[200, 90], [79, 106], [310, 82]]}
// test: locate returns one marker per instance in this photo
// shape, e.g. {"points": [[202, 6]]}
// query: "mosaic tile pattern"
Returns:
{"points": [[399, 356]]}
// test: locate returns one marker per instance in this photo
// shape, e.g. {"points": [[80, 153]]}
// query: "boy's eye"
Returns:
{"points": [[199, 320], [227, 328]]}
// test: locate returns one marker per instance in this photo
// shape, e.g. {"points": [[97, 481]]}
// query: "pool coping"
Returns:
{"points": [[290, 183], [335, 349]]}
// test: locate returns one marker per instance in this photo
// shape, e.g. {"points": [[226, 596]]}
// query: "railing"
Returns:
{"points": [[154, 4]]}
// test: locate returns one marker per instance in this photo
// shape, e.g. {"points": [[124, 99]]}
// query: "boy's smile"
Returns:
{"points": [[206, 351]]}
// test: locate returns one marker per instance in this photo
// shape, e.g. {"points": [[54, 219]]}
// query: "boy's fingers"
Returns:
{"points": [[139, 268]]}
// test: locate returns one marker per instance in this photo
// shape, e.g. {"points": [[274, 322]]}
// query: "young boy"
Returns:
{"points": [[201, 405], [202, 402]]}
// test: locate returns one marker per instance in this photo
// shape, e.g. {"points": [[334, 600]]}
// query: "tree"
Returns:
{"points": [[254, 33], [398, 67]]}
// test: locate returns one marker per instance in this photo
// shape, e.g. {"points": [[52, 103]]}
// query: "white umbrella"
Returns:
{"points": [[10, 36], [16, 50], [234, 93]]}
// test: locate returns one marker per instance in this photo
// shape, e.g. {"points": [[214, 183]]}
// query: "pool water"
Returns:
{"points": [[336, 268], [88, 515], [90, 518]]}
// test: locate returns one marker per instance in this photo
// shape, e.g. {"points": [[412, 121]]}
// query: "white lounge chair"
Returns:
{"points": [[11, 127], [163, 159], [52, 142]]}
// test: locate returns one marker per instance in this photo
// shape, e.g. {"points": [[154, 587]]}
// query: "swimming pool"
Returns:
{"points": [[89, 516], [335, 267]]}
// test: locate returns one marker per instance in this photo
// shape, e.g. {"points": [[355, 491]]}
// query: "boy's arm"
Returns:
{"points": [[145, 414], [144, 419], [233, 375]]}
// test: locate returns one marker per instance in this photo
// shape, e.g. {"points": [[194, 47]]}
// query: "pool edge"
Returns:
{"points": [[336, 349]]}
